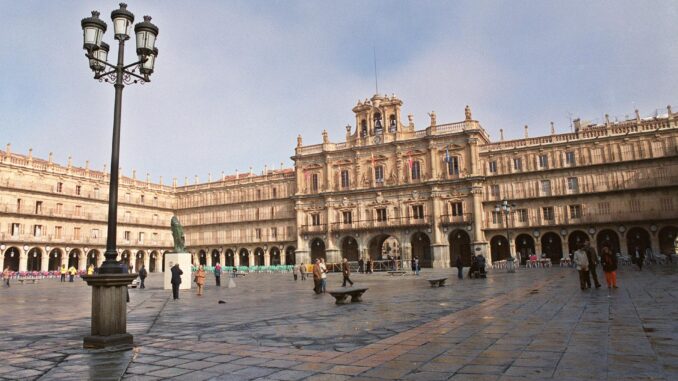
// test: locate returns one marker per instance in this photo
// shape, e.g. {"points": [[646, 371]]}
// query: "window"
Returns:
{"points": [[347, 217], [344, 179], [257, 233], [274, 233], [575, 211], [59, 208], [259, 192], [315, 219], [522, 215], [155, 237], [16, 229], [517, 164], [667, 204], [128, 197], [95, 233], [272, 211], [37, 230], [58, 231], [453, 165], [416, 170], [379, 174], [155, 219], [418, 211], [128, 216], [603, 208], [457, 209], [492, 166], [38, 207], [569, 158], [634, 205], [18, 205], [381, 214], [494, 190], [548, 213], [546, 187], [141, 237], [543, 162], [496, 217], [78, 188], [60, 187], [314, 182], [96, 193], [274, 192], [76, 233], [596, 156], [127, 235], [256, 214], [573, 184], [142, 198]]}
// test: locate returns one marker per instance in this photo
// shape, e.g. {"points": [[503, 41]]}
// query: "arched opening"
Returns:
{"points": [[152, 266], [383, 246], [139, 261], [668, 240], [275, 256], [421, 248], [163, 261], [378, 126], [54, 263], [259, 256], [637, 238], [349, 249], [202, 258], [34, 259], [230, 258], [460, 246], [11, 259], [74, 258], [244, 257], [92, 257], [290, 258], [215, 257], [524, 247], [363, 128], [552, 246], [576, 240], [499, 248], [608, 238], [392, 125], [317, 249]]}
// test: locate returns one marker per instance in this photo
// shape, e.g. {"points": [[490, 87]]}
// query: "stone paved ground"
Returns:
{"points": [[535, 324]]}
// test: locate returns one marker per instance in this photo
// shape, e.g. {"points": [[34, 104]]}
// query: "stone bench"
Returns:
{"points": [[397, 272], [32, 280], [341, 295], [437, 282], [240, 273]]}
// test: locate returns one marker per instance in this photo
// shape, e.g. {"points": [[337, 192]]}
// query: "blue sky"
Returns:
{"points": [[236, 81]]}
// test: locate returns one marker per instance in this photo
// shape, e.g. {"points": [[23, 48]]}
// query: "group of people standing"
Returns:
{"points": [[586, 259]]}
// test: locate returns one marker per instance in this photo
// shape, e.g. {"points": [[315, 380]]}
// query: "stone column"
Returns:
{"points": [[23, 260], [654, 242], [44, 262], [222, 258], [82, 261], [441, 251], [236, 259], [283, 256], [479, 239], [109, 311], [267, 259], [250, 257]]}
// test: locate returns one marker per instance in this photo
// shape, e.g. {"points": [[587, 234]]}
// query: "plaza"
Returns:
{"points": [[534, 324]]}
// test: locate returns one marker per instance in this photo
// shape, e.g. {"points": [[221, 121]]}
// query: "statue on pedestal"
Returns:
{"points": [[178, 235]]}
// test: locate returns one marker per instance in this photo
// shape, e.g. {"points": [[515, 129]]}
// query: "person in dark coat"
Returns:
{"points": [[346, 272], [593, 261], [609, 261], [176, 280], [460, 267], [639, 258], [361, 265], [142, 276]]}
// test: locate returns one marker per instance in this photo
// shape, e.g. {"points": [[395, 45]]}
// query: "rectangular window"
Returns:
{"points": [[128, 197], [127, 235], [18, 205], [274, 192], [16, 229], [416, 170], [381, 214], [273, 212], [457, 209], [522, 215], [453, 165], [667, 204], [257, 233], [96, 193], [379, 174], [492, 167], [315, 219], [274, 233], [496, 217], [141, 237], [155, 219], [259, 193], [494, 190], [569, 158], [38, 207], [546, 187], [314, 182], [543, 162], [78, 188], [347, 217], [634, 205], [37, 230], [58, 230], [573, 184], [344, 179], [60, 187], [596, 156], [418, 211], [78, 210], [517, 164], [155, 237], [603, 208], [128, 216], [59, 208], [142, 199], [548, 213], [95, 233], [76, 234], [575, 211]]}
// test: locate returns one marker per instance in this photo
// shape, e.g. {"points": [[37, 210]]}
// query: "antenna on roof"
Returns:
{"points": [[376, 82]]}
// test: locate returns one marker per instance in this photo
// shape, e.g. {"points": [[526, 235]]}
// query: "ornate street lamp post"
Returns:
{"points": [[109, 287], [506, 209]]}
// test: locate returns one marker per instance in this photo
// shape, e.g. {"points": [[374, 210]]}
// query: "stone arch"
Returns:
{"points": [[163, 260], [34, 259], [421, 248], [153, 263], [317, 247], [524, 247], [55, 258], [575, 240], [382, 246], [668, 240], [290, 257], [229, 258], [274, 254], [244, 257], [637, 237], [349, 248], [460, 246], [138, 260], [92, 256], [74, 258], [552, 246], [11, 258], [202, 258], [610, 238], [499, 248]]}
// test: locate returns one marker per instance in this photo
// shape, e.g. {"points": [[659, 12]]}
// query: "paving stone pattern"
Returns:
{"points": [[532, 325]]}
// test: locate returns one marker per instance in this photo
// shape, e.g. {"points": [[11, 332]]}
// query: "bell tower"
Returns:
{"points": [[377, 116]]}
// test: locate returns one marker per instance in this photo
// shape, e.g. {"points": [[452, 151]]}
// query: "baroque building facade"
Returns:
{"points": [[388, 190]]}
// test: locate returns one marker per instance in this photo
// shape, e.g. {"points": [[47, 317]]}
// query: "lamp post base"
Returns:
{"points": [[109, 310]]}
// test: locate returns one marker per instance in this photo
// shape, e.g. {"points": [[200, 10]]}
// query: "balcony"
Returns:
{"points": [[377, 224], [449, 219]]}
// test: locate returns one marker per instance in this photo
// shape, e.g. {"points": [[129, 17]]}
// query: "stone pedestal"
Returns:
{"points": [[109, 310], [184, 261]]}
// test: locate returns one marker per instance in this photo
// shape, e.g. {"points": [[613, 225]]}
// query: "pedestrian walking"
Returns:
{"points": [[593, 261], [5, 276], [639, 258], [176, 280], [302, 271], [582, 262], [361, 265], [295, 272], [416, 266], [316, 277], [460, 267], [323, 275], [71, 273], [63, 272], [368, 266], [346, 272], [200, 279], [609, 261], [217, 274], [142, 276]]}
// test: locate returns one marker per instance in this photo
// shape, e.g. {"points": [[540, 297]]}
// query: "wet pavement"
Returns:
{"points": [[535, 324]]}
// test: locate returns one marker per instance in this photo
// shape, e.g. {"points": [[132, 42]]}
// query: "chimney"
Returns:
{"points": [[526, 133], [49, 157], [607, 120], [30, 154], [8, 150], [637, 116], [501, 134], [553, 129]]}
